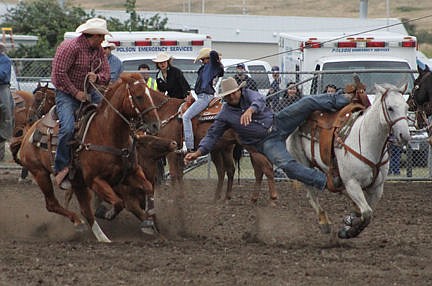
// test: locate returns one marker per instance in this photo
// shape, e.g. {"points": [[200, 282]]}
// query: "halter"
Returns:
{"points": [[374, 166]]}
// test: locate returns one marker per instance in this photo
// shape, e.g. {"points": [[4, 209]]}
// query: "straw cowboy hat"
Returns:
{"points": [[106, 44], [203, 53], [161, 57], [229, 85], [94, 26]]}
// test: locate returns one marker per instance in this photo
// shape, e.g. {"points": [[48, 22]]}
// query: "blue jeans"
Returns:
{"points": [[66, 105], [286, 121], [395, 157], [203, 99]]}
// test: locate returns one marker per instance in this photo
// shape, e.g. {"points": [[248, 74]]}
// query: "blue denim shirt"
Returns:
{"points": [[5, 69], [116, 67], [229, 117], [206, 74]]}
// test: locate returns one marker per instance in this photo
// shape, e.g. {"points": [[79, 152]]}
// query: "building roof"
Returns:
{"points": [[257, 28]]}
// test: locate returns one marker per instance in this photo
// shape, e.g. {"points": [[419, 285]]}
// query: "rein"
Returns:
{"points": [[374, 166]]}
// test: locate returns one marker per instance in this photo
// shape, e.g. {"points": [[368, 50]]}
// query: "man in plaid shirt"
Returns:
{"points": [[77, 62]]}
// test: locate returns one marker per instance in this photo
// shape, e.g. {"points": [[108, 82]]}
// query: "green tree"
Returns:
{"points": [[45, 19]]}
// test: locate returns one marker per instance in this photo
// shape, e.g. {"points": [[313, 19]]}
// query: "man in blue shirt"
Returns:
{"points": [[114, 62], [6, 100], [246, 112]]}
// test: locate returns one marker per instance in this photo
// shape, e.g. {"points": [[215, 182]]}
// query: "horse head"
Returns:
{"points": [[394, 110], [422, 91], [44, 100], [134, 102]]}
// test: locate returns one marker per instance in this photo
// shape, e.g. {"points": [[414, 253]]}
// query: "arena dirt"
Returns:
{"points": [[207, 243]]}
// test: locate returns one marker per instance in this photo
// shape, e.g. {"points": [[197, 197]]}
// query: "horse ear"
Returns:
{"points": [[426, 68], [38, 85], [381, 90], [420, 70]]}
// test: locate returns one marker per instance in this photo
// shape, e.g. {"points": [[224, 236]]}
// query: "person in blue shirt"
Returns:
{"points": [[246, 112], [114, 62], [210, 69], [6, 100]]}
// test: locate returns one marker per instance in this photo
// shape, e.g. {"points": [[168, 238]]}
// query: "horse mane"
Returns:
{"points": [[125, 78], [27, 96]]}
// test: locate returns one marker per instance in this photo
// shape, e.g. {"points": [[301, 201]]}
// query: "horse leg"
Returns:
{"points": [[258, 172], [229, 168], [84, 199], [262, 166], [323, 219], [176, 165], [217, 160], [354, 224], [104, 190], [43, 180]]}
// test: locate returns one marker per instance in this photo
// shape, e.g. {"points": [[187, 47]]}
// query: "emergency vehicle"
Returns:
{"points": [[135, 48], [336, 52]]}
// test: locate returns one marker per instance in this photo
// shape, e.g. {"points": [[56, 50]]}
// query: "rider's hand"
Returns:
{"points": [[191, 156], [81, 96], [189, 99], [246, 117], [92, 77]]}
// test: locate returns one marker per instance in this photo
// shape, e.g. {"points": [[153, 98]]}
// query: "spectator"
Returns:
{"points": [[291, 95], [6, 100], [330, 89], [151, 82], [169, 78], [395, 153], [242, 76], [114, 62], [77, 62], [210, 69], [274, 86]]}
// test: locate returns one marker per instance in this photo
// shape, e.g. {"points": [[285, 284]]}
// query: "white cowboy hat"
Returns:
{"points": [[94, 26], [203, 53], [229, 85], [106, 44], [161, 57]]}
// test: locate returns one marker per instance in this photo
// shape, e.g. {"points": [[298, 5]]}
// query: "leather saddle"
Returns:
{"points": [[323, 128], [209, 113]]}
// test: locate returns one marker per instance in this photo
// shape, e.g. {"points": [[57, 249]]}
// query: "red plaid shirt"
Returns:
{"points": [[73, 60]]}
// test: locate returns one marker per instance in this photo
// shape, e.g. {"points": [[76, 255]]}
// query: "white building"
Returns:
{"points": [[256, 37]]}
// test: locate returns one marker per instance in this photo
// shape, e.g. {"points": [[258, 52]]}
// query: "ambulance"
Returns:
{"points": [[136, 48], [335, 56]]}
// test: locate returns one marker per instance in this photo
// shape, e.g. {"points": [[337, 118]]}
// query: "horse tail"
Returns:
{"points": [[237, 155]]}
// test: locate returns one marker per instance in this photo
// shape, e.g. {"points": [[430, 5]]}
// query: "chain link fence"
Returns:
{"points": [[412, 162]]}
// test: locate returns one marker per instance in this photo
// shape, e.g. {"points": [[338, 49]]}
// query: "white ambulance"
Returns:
{"points": [[336, 52], [136, 48]]}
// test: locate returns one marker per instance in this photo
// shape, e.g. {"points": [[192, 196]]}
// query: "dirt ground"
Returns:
{"points": [[232, 243]]}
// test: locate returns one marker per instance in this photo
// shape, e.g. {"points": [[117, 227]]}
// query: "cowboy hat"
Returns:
{"points": [[106, 44], [229, 85], [203, 53], [94, 26], [161, 57]]}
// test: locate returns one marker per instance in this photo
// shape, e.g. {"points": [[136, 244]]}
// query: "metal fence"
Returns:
{"points": [[413, 162]]}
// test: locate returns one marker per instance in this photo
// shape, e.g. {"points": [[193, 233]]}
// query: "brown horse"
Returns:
{"points": [[28, 109], [222, 155], [105, 157]]}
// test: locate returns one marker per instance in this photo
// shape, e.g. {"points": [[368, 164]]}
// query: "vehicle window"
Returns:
{"points": [[262, 79], [369, 79]]}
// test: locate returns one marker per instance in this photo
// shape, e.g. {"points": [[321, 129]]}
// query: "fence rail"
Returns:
{"points": [[415, 160]]}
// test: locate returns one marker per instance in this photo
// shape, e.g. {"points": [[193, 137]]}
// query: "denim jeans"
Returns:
{"points": [[203, 99], [274, 145], [66, 106], [6, 113], [395, 157]]}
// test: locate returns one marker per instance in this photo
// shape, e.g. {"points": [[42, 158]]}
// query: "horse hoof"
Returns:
{"points": [[101, 212], [81, 227], [148, 227]]}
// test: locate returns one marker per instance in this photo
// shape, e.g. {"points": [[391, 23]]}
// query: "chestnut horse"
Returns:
{"points": [[222, 155], [105, 158], [29, 108]]}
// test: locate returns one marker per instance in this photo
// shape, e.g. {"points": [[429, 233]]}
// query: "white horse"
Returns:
{"points": [[362, 158]]}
